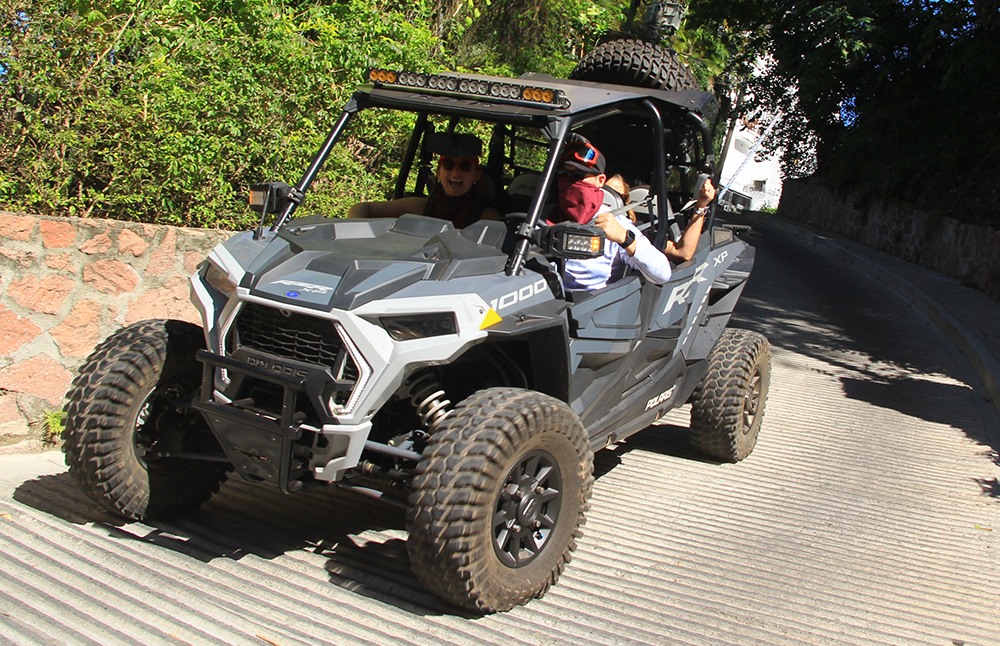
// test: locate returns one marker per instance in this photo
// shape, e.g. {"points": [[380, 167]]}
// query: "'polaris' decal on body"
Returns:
{"points": [[659, 399], [518, 296], [278, 368]]}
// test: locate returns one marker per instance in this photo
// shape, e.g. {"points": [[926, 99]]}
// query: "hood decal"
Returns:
{"points": [[304, 288]]}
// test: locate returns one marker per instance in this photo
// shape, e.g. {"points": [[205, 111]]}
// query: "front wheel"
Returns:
{"points": [[128, 411], [499, 499], [727, 407]]}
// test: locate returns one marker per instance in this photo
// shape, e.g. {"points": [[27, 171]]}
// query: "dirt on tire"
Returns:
{"points": [[727, 407], [504, 454]]}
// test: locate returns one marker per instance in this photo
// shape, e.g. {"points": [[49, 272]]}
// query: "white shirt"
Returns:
{"points": [[596, 273]]}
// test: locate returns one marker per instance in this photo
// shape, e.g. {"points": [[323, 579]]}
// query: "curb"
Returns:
{"points": [[983, 362]]}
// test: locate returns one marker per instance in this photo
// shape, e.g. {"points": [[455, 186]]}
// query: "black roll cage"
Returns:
{"points": [[557, 129]]}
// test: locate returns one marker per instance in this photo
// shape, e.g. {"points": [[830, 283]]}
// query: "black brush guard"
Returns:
{"points": [[260, 446]]}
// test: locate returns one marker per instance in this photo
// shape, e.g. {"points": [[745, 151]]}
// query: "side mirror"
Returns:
{"points": [[269, 197]]}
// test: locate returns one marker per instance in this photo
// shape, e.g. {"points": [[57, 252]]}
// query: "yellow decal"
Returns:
{"points": [[492, 318]]}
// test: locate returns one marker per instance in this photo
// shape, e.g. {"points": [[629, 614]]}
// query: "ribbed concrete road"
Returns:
{"points": [[868, 514]]}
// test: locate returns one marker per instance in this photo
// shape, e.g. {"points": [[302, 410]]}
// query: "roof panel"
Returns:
{"points": [[582, 96]]}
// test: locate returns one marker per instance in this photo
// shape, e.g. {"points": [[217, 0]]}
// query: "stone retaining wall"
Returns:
{"points": [[65, 285], [967, 252]]}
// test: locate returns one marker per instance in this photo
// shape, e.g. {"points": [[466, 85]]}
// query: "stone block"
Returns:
{"points": [[39, 376], [17, 227], [129, 242], [173, 301], [192, 259], [60, 261], [22, 258], [45, 295], [57, 234], [80, 331], [110, 276], [164, 258], [15, 331], [99, 244], [24, 446], [12, 422]]}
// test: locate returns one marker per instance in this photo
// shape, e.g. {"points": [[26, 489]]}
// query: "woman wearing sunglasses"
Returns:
{"points": [[454, 196]]}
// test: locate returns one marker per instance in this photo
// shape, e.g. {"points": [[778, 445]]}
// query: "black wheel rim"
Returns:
{"points": [[527, 509], [751, 400], [160, 429]]}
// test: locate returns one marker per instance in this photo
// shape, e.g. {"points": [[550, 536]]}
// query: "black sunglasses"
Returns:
{"points": [[575, 173], [449, 164]]}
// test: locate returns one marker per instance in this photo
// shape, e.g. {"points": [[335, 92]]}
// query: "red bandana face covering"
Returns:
{"points": [[578, 201]]}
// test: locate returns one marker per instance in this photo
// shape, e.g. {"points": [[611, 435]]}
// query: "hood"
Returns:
{"points": [[329, 264]]}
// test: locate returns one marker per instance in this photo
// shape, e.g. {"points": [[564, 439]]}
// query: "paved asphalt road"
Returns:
{"points": [[868, 514]]}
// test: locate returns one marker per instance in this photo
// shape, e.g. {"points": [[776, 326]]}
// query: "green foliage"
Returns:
{"points": [[703, 51], [54, 422], [893, 100], [534, 35], [166, 113]]}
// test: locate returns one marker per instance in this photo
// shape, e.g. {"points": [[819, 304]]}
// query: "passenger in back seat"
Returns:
{"points": [[683, 250], [618, 184]]}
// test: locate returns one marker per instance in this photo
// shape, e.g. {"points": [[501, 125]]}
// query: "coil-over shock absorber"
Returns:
{"points": [[424, 392]]}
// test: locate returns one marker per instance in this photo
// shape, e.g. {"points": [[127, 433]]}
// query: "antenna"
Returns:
{"points": [[753, 149]]}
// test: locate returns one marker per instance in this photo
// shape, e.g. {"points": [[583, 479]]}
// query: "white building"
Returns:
{"points": [[755, 184]]}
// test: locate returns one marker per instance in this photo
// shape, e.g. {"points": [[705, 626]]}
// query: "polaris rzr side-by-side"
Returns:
{"points": [[446, 370]]}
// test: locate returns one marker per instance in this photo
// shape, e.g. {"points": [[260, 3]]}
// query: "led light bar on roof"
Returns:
{"points": [[501, 92]]}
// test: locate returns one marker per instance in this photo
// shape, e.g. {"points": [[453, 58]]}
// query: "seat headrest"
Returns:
{"points": [[612, 200], [524, 185]]}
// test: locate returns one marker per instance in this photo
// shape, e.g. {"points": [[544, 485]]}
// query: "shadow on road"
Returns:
{"points": [[362, 542], [863, 334], [856, 331], [667, 439]]}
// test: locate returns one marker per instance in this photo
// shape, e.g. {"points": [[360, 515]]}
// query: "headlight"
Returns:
{"points": [[419, 326], [219, 280]]}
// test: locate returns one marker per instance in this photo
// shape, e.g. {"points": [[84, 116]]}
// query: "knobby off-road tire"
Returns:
{"points": [[499, 499], [635, 63], [122, 409], [727, 407]]}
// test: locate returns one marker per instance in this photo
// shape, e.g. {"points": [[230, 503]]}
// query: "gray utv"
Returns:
{"points": [[440, 369]]}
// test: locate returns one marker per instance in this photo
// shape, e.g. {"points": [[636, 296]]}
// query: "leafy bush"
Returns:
{"points": [[894, 101], [54, 422], [166, 113]]}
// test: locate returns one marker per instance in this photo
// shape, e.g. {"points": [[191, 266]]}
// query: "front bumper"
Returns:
{"points": [[283, 450]]}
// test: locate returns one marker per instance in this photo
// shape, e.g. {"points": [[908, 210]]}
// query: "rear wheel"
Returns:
{"points": [[727, 407], [499, 499], [127, 413], [635, 63]]}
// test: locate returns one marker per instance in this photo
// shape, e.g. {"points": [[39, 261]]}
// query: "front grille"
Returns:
{"points": [[299, 337]]}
